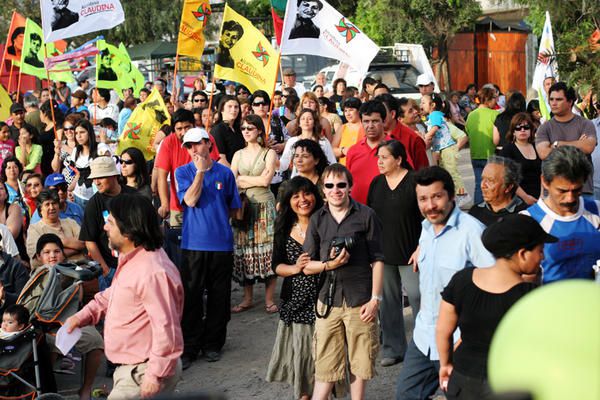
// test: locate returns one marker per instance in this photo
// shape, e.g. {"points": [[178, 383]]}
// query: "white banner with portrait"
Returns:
{"points": [[315, 27], [63, 19]]}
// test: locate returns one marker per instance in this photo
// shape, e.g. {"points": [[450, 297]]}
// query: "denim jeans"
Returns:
{"points": [[478, 166], [419, 376]]}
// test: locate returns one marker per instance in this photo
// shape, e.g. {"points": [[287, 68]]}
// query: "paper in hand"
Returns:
{"points": [[65, 341]]}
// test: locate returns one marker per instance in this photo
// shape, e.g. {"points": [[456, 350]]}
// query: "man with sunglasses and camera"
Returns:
{"points": [[67, 209], [344, 244]]}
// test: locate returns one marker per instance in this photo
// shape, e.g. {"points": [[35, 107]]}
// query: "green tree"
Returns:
{"points": [[573, 22], [431, 23]]}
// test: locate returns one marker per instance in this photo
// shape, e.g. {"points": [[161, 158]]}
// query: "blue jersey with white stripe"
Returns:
{"points": [[578, 247]]}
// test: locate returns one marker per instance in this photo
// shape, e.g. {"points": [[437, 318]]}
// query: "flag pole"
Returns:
{"points": [[212, 92], [51, 101], [175, 79], [10, 77], [19, 83], [268, 127]]}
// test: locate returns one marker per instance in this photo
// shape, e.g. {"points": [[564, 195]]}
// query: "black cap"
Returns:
{"points": [[16, 107], [513, 232]]}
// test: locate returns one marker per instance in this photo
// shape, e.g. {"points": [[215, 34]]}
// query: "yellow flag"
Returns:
{"points": [[145, 121], [244, 54], [194, 18], [5, 103]]}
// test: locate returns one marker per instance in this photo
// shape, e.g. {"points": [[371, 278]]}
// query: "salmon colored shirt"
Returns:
{"points": [[142, 311], [350, 136]]}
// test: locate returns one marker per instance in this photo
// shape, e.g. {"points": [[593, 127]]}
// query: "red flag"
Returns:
{"points": [[277, 25]]}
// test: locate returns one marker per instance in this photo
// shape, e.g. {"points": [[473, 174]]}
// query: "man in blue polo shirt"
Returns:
{"points": [[68, 209], [569, 216], [208, 194], [450, 241]]}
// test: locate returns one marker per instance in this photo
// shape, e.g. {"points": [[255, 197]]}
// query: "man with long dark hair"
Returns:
{"points": [[142, 310]]}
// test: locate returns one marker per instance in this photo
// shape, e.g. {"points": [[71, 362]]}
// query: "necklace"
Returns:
{"points": [[299, 230]]}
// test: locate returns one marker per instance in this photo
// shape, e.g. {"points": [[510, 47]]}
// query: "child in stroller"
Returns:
{"points": [[14, 320]]}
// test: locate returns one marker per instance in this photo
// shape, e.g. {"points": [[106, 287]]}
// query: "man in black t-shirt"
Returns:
{"points": [[105, 176], [499, 183]]}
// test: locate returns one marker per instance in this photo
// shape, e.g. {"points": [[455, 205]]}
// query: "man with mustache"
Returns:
{"points": [[568, 215], [450, 241]]}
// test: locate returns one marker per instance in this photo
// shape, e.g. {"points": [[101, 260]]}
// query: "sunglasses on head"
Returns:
{"points": [[339, 185], [522, 127]]}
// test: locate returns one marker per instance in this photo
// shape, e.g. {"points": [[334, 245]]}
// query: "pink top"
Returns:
{"points": [[142, 311]]}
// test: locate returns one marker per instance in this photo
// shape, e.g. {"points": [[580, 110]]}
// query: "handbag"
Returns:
{"points": [[241, 218]]}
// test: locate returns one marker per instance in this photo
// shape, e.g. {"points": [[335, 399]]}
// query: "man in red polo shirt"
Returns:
{"points": [[413, 143], [361, 159]]}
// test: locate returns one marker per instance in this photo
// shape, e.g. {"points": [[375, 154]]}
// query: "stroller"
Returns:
{"points": [[51, 295]]}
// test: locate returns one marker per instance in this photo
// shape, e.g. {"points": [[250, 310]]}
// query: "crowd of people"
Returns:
{"points": [[352, 195]]}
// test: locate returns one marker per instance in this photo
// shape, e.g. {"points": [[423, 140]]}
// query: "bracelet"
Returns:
{"points": [[376, 297]]}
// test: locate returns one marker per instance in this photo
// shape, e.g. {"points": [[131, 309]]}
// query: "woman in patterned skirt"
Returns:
{"points": [[254, 167], [291, 359]]}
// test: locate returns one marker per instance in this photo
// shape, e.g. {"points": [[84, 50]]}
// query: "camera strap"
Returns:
{"points": [[329, 279]]}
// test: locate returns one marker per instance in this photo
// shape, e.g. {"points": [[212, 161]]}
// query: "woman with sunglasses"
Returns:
{"points": [[521, 148], [277, 134], [309, 129], [134, 171], [254, 167], [64, 148], [291, 359], [227, 132]]}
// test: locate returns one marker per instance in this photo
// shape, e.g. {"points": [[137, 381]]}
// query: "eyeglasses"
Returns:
{"points": [[200, 100], [126, 162], [248, 128], [339, 185], [68, 128], [259, 104], [522, 128]]}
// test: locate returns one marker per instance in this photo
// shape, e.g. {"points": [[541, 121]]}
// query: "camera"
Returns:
{"points": [[340, 243]]}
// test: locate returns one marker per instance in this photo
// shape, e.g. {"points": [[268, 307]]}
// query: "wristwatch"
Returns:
{"points": [[555, 144]]}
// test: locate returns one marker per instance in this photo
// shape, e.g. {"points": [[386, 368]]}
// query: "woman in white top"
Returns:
{"points": [[310, 129], [84, 152]]}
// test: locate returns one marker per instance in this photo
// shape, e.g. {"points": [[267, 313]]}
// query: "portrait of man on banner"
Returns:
{"points": [[304, 27], [105, 69], [33, 56], [15, 44], [231, 33], [63, 17]]}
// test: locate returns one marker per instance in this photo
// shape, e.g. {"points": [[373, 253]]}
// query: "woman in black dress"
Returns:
{"points": [[291, 359], [392, 196], [520, 148], [227, 132], [476, 299]]}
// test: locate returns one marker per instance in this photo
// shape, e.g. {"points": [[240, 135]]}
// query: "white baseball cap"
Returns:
{"points": [[424, 80], [195, 135]]}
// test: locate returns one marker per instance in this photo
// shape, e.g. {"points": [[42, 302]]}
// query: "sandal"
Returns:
{"points": [[271, 308], [241, 308]]}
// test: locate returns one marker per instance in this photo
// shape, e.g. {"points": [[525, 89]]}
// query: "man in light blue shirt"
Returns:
{"points": [[68, 209], [450, 241]]}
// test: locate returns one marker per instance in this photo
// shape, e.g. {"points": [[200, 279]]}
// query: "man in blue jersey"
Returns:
{"points": [[208, 194], [566, 214]]}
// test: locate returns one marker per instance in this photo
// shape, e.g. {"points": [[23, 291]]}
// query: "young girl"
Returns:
{"points": [[33, 187], [438, 132], [29, 153], [7, 145]]}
